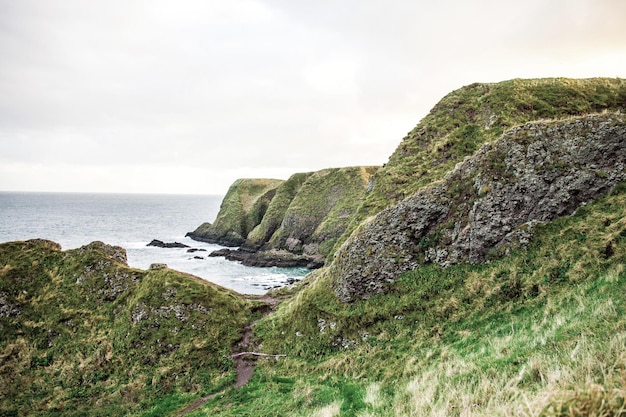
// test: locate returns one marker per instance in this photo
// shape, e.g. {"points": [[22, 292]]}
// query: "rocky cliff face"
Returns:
{"points": [[487, 203], [303, 218], [241, 211]]}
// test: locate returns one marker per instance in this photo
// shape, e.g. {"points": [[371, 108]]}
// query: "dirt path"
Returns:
{"points": [[245, 362]]}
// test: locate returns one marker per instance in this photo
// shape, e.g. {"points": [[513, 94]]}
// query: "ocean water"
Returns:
{"points": [[132, 221]]}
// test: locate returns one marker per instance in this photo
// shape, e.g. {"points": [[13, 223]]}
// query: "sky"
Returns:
{"points": [[185, 96]]}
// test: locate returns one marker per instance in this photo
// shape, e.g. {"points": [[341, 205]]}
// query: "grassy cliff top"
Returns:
{"points": [[478, 113]]}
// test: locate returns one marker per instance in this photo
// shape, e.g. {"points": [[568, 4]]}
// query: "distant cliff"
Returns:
{"points": [[296, 223], [241, 211]]}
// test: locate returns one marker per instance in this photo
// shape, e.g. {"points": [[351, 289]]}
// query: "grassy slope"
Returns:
{"points": [[275, 213], [93, 334], [479, 113], [539, 332], [323, 206]]}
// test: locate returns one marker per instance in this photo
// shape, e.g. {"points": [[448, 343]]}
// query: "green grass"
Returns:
{"points": [[541, 332], [88, 333]]}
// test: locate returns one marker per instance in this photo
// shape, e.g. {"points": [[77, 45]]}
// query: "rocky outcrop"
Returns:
{"points": [[267, 258], [86, 311], [169, 245], [487, 203], [303, 218], [241, 211], [464, 119]]}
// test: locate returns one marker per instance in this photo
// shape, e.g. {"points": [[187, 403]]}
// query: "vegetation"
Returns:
{"points": [[322, 208], [478, 113], [80, 331], [538, 333]]}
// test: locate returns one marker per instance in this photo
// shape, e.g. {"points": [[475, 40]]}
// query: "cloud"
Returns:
{"points": [[104, 90]]}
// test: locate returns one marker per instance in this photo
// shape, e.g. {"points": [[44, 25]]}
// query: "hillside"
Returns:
{"points": [[298, 222], [488, 203], [463, 120], [81, 331]]}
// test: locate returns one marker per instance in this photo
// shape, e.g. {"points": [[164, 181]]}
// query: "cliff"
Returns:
{"points": [[302, 218], [463, 120], [457, 128], [242, 210], [488, 203]]}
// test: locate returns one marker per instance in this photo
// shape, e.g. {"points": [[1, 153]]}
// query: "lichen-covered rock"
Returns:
{"points": [[487, 203], [241, 211]]}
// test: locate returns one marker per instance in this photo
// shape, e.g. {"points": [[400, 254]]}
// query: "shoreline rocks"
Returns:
{"points": [[161, 244], [277, 258]]}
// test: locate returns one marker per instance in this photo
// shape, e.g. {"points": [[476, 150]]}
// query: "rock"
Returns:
{"points": [[156, 266], [283, 259], [115, 252], [193, 250], [220, 252], [161, 244], [488, 203]]}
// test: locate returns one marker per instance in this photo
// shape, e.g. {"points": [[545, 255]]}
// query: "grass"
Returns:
{"points": [[539, 333], [82, 331]]}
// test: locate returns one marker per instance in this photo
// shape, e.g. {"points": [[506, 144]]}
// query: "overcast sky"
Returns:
{"points": [[185, 96]]}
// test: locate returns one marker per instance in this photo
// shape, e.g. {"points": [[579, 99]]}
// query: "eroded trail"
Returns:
{"points": [[244, 354]]}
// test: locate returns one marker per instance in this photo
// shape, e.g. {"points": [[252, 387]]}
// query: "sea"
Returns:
{"points": [[132, 221]]}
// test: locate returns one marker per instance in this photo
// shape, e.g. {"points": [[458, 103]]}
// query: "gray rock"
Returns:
{"points": [[488, 203]]}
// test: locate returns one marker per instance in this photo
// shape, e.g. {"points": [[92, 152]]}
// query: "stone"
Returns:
{"points": [[161, 244], [487, 203]]}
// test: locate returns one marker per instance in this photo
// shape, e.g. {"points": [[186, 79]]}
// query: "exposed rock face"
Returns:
{"points": [[302, 220], [242, 210], [488, 202]]}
